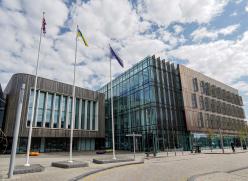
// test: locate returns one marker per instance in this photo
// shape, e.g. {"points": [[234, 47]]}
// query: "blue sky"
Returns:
{"points": [[210, 36]]}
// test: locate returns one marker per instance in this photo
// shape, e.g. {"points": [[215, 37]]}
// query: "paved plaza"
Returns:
{"points": [[185, 166]]}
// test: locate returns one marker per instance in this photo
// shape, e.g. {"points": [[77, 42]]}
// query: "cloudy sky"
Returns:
{"points": [[210, 36]]}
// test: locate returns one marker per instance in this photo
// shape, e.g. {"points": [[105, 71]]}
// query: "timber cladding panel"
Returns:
{"points": [[12, 92], [192, 113]]}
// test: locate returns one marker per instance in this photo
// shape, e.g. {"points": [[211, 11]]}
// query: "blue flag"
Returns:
{"points": [[114, 55]]}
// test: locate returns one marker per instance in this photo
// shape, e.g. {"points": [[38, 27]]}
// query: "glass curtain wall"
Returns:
{"points": [[148, 101], [53, 110]]}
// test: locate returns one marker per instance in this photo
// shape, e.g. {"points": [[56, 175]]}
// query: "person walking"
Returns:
{"points": [[232, 145]]}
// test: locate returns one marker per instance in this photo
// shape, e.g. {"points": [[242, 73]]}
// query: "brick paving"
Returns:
{"points": [[171, 168], [181, 168]]}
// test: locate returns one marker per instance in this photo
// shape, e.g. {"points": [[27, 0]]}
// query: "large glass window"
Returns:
{"points": [[56, 108], [194, 100], [56, 111], [41, 109], [201, 102], [82, 114], [88, 115], [146, 95], [94, 116], [49, 110], [30, 105], [195, 84], [63, 111], [70, 112], [77, 114], [145, 76]]}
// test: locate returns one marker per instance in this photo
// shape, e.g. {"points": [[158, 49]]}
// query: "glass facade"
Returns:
{"points": [[53, 110], [147, 100]]}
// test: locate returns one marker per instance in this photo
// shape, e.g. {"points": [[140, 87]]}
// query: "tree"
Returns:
{"points": [[210, 137], [242, 135]]}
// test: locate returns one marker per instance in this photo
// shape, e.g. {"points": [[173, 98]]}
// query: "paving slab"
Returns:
{"points": [[67, 164], [104, 160], [21, 169]]}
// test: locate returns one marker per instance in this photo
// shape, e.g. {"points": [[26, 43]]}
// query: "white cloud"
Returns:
{"points": [[246, 8], [234, 14], [178, 29], [202, 33], [164, 12], [242, 86], [100, 24], [223, 60]]}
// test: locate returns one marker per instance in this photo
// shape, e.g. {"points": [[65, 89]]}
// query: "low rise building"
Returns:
{"points": [[53, 115]]}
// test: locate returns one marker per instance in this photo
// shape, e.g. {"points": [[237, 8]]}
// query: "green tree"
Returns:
{"points": [[242, 135]]}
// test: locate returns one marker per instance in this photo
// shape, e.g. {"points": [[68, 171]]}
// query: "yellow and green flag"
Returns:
{"points": [[79, 34]]}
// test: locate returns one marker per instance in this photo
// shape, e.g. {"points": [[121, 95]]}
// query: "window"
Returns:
{"points": [[195, 84], [83, 114], [213, 88], [77, 114], [41, 109], [200, 120], [207, 107], [70, 112], [194, 101], [94, 116], [63, 111], [30, 105], [201, 102], [56, 111], [207, 88], [88, 115], [49, 110], [213, 105], [207, 124], [202, 89]]}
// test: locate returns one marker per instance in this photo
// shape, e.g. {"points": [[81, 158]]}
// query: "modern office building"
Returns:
{"points": [[169, 105], [53, 115], [147, 100], [211, 106]]}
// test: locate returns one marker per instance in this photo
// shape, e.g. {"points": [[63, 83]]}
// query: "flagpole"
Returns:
{"points": [[112, 110], [73, 102], [34, 98]]}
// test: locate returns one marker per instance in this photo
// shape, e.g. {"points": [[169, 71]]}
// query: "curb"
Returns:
{"points": [[229, 153], [194, 177], [103, 169]]}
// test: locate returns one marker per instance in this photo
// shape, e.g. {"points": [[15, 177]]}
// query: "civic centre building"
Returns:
{"points": [[170, 105], [53, 115]]}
